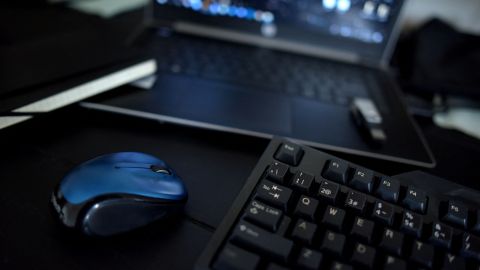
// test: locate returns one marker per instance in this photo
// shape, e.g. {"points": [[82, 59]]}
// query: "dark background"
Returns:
{"points": [[49, 44]]}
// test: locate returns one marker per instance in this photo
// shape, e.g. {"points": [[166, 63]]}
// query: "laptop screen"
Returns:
{"points": [[361, 27]]}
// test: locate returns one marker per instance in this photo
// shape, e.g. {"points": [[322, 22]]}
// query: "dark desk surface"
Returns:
{"points": [[214, 166]]}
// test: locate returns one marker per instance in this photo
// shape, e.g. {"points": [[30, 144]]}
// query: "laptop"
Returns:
{"points": [[277, 67]]}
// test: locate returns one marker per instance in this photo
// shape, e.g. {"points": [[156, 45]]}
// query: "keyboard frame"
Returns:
{"points": [[247, 192]]}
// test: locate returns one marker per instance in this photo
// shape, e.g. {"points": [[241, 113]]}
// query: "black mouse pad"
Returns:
{"points": [[39, 153]]}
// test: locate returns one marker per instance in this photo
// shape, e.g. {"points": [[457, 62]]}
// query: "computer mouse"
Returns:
{"points": [[118, 192]]}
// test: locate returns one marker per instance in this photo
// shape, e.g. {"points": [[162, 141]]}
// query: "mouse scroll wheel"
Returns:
{"points": [[159, 169]]}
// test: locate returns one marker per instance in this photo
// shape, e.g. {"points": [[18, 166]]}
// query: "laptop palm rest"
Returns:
{"points": [[212, 102]]}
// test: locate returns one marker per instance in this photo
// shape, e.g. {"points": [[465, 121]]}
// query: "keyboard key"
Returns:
{"points": [[392, 263], [309, 259], [363, 229], [277, 172], [453, 262], [302, 181], [457, 213], [274, 266], [392, 241], [261, 240], [333, 243], [234, 258], [263, 215], [334, 217], [422, 254], [306, 207], [304, 231], [336, 171], [441, 235], [328, 191], [415, 200], [383, 212], [274, 194], [471, 246], [284, 225], [412, 223], [476, 226], [362, 180], [363, 255], [356, 201], [289, 153], [389, 190], [340, 266]]}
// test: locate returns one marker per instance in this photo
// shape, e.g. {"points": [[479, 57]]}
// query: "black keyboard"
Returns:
{"points": [[305, 209], [269, 70]]}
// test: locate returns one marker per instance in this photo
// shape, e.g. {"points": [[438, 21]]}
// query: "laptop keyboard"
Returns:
{"points": [[261, 68], [304, 209]]}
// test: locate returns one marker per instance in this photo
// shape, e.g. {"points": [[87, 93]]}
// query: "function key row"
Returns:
{"points": [[364, 180]]}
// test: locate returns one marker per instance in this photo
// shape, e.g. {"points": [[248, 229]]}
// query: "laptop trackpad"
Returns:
{"points": [[222, 104]]}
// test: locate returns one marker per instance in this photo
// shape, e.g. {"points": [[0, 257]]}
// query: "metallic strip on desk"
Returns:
{"points": [[6, 121], [186, 122], [91, 88]]}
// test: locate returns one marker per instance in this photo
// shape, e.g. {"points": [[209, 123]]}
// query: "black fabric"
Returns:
{"points": [[41, 44], [438, 59]]}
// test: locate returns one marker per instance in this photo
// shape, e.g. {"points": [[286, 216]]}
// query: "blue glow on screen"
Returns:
{"points": [[223, 8], [363, 20]]}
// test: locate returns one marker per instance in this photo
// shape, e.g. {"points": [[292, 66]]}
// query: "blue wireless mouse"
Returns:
{"points": [[118, 192]]}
